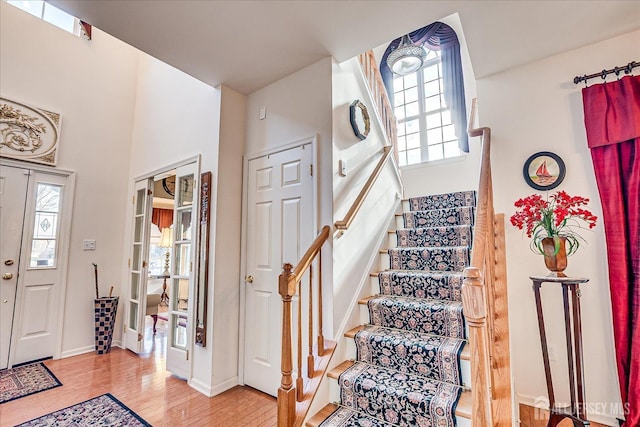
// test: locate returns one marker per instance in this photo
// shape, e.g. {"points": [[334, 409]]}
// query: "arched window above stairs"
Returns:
{"points": [[430, 103]]}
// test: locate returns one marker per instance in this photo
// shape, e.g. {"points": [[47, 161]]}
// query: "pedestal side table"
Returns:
{"points": [[570, 285]]}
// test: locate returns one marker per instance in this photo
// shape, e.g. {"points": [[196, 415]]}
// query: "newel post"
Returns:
{"points": [[286, 392], [475, 313]]}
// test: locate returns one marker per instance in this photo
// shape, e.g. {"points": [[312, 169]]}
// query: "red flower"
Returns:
{"points": [[555, 217]]}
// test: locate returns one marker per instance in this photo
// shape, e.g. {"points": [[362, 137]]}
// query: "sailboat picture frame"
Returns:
{"points": [[544, 170]]}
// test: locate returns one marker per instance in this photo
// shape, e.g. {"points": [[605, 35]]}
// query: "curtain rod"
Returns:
{"points": [[603, 74]]}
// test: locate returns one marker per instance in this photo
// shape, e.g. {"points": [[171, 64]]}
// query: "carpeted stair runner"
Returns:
{"points": [[407, 371], [432, 356]]}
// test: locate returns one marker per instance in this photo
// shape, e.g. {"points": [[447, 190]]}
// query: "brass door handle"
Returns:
{"points": [[248, 279], [8, 262], [7, 276]]}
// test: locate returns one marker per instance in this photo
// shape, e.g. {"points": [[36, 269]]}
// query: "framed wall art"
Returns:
{"points": [[544, 170], [28, 133], [359, 118]]}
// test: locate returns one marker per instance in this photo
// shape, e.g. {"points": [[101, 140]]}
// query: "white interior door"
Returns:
{"points": [[35, 216], [181, 301], [13, 192], [136, 297], [279, 229]]}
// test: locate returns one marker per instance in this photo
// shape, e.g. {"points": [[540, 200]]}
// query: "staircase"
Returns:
{"points": [[411, 363]]}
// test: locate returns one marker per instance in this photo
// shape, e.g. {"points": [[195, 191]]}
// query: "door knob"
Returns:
{"points": [[248, 279], [8, 262], [7, 276]]}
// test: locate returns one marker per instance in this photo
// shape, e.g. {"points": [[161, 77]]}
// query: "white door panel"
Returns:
{"points": [[36, 210], [279, 229], [13, 192]]}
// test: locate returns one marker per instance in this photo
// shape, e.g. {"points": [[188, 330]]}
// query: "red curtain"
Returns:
{"points": [[163, 218], [612, 121]]}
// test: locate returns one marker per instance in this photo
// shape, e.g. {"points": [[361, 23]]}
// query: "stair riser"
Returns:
{"points": [[393, 240], [405, 206], [334, 396], [465, 365], [385, 261]]}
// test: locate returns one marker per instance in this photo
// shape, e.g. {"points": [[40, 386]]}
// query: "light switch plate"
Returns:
{"points": [[342, 168], [88, 245]]}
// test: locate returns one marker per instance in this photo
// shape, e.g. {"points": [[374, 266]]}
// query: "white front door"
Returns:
{"points": [[35, 209], [13, 193], [181, 301], [136, 296], [279, 229]]}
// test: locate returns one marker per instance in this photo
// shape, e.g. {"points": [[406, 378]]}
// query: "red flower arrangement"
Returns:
{"points": [[556, 217]]}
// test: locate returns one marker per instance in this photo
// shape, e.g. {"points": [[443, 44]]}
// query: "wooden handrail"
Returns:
{"points": [[485, 191], [310, 254], [357, 203], [289, 283], [484, 301]]}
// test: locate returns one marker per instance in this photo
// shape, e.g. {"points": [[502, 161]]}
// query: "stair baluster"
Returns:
{"points": [[290, 284]]}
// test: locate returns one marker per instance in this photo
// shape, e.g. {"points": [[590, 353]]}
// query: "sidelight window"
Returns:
{"points": [[46, 226]]}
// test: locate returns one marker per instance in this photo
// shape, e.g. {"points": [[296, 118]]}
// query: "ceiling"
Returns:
{"points": [[247, 45]]}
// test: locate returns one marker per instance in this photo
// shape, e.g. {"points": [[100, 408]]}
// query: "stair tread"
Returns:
{"points": [[335, 372], [465, 403], [425, 272], [365, 300], [352, 333], [464, 355], [463, 409], [321, 415]]}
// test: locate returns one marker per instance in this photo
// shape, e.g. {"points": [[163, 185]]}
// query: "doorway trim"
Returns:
{"points": [[65, 238], [312, 140]]}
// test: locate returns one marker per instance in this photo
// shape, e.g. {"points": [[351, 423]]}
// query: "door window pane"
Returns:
{"points": [[183, 259], [133, 315], [179, 325], [185, 195], [45, 226], [184, 225], [43, 253]]}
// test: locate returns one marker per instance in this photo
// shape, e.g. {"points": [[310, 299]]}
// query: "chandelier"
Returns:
{"points": [[407, 58]]}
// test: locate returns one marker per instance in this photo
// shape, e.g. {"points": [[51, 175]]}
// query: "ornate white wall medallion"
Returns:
{"points": [[28, 133]]}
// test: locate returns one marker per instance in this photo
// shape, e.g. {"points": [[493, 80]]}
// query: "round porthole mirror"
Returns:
{"points": [[359, 119]]}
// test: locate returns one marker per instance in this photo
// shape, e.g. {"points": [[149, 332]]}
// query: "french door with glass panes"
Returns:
{"points": [[180, 310], [138, 267]]}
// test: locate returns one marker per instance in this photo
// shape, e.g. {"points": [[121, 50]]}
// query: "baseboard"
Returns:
{"points": [[77, 351], [211, 391], [542, 402]]}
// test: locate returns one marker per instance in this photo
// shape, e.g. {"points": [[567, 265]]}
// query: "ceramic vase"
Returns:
{"points": [[556, 262]]}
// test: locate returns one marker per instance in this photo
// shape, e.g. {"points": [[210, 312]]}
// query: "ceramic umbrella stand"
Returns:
{"points": [[105, 310], [105, 318]]}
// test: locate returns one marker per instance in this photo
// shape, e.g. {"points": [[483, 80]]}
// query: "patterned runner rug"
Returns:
{"points": [[25, 380], [103, 410]]}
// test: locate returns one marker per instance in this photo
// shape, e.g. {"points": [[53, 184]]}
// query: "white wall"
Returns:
{"points": [[298, 107], [227, 206], [177, 117], [92, 85], [353, 252], [533, 108]]}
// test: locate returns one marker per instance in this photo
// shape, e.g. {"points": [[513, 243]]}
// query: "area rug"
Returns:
{"points": [[103, 410], [24, 380]]}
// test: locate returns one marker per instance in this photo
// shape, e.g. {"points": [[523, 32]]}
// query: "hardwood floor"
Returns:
{"points": [[533, 417], [141, 383]]}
